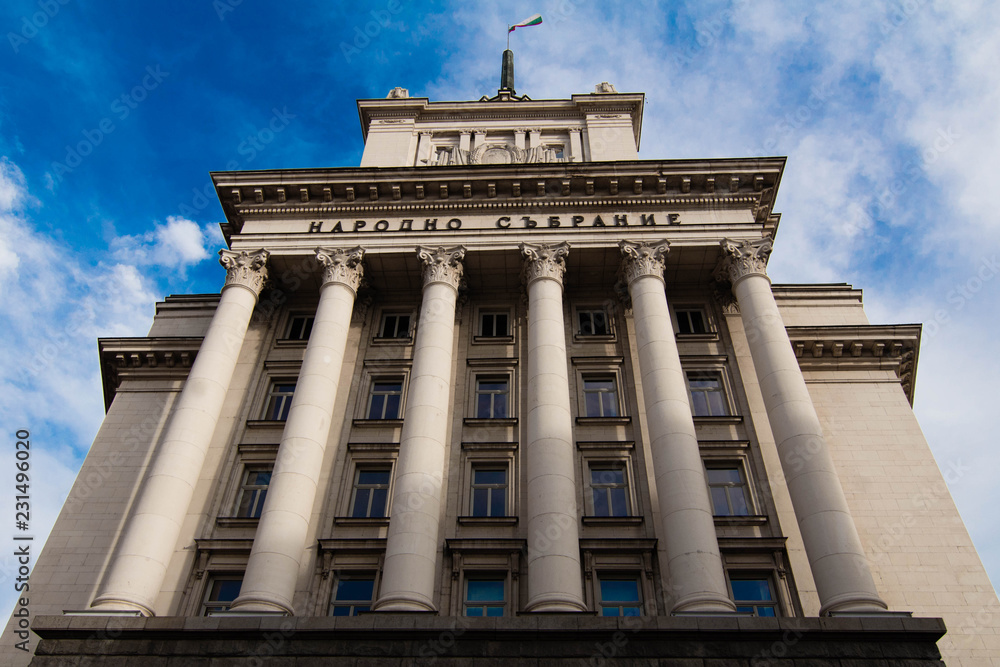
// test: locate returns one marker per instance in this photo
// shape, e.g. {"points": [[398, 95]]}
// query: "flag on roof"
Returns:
{"points": [[534, 20]]}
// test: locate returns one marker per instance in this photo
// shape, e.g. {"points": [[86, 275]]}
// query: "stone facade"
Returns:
{"points": [[506, 369]]}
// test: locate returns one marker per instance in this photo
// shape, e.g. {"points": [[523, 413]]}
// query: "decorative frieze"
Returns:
{"points": [[442, 265], [544, 261], [643, 259], [342, 266], [247, 269]]}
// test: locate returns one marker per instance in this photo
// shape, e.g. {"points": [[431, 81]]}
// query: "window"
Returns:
{"points": [[484, 596], [352, 594], [489, 490], [253, 491], [385, 399], [395, 325], [221, 592], [729, 490], [600, 396], [494, 324], [691, 321], [593, 322], [371, 492], [279, 400], [609, 489], [708, 397], [492, 397], [753, 594], [620, 596], [299, 327]]}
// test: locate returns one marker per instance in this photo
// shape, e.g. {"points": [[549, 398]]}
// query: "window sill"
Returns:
{"points": [[493, 340], [360, 521], [603, 420], [720, 419], [742, 520], [594, 338], [265, 423], [378, 422], [487, 520], [236, 521], [291, 342], [612, 520], [694, 338], [478, 421], [377, 340]]}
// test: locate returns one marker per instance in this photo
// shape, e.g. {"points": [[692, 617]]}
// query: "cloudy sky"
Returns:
{"points": [[112, 115]]}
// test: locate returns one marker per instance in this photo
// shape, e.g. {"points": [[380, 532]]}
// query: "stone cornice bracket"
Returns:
{"points": [[246, 269], [342, 266], [442, 265], [643, 259], [745, 258], [544, 261]]}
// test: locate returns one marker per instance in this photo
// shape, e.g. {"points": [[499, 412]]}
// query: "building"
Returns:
{"points": [[506, 392]]}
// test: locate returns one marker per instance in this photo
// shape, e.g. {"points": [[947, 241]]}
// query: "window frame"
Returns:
{"points": [[481, 369], [589, 369], [309, 321], [710, 333], [739, 466], [489, 575], [209, 609], [717, 366], [255, 489], [352, 575], [478, 392], [278, 404], [618, 575], [609, 318], [373, 385], [490, 488], [359, 468], [478, 336], [620, 558], [365, 456], [765, 576], [488, 455], [622, 461], [378, 336]]}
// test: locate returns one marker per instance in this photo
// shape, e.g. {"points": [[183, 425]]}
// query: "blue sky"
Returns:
{"points": [[112, 114]]}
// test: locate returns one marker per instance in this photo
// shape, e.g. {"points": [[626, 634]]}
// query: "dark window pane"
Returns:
{"points": [[501, 326], [360, 503], [355, 589], [609, 611], [373, 477], [341, 611], [226, 590], [378, 502], [593, 405], [474, 611], [498, 504], [610, 405], [720, 505], [485, 590], [494, 611], [601, 503], [631, 611], [724, 476], [392, 406], [500, 406], [483, 406], [716, 404], [375, 412], [699, 404], [479, 502], [765, 611], [738, 498], [619, 590], [491, 476], [619, 506], [751, 589]]}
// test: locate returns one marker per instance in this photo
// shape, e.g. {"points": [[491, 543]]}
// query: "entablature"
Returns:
{"points": [[144, 358]]}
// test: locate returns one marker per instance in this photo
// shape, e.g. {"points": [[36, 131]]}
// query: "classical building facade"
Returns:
{"points": [[507, 392]]}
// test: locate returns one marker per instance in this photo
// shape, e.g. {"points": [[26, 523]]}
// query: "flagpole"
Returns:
{"points": [[508, 37]]}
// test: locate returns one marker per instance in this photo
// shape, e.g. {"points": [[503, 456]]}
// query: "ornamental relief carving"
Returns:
{"points": [[544, 261], [643, 259], [342, 266], [442, 265], [745, 258], [248, 269]]}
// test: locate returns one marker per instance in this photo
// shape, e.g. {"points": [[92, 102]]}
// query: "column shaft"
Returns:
{"points": [[280, 542], [843, 578], [554, 574], [693, 562], [411, 553], [150, 535]]}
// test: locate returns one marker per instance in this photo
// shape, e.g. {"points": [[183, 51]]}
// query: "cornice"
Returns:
{"points": [[144, 358], [871, 347]]}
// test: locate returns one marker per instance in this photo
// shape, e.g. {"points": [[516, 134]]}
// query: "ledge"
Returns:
{"points": [[612, 520], [378, 422], [478, 421], [746, 520], [487, 520], [584, 421], [720, 419], [146, 358], [360, 521], [237, 522]]}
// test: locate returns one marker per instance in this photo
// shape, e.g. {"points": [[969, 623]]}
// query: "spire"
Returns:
{"points": [[507, 72]]}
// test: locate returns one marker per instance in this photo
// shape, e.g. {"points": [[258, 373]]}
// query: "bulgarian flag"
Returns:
{"points": [[534, 20]]}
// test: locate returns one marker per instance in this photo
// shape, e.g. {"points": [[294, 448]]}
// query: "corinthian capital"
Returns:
{"points": [[643, 259], [247, 269], [442, 265], [342, 266], [544, 261], [745, 258]]}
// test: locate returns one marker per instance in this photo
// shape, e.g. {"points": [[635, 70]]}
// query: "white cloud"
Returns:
{"points": [[177, 244]]}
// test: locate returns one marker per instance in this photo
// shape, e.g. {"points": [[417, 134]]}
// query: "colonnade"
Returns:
{"points": [[692, 560]]}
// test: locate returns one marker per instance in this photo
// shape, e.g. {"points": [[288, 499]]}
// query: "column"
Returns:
{"points": [[465, 140], [575, 145], [411, 551], [150, 534], [423, 149], [280, 542], [693, 562], [534, 137], [838, 562], [554, 579], [519, 138]]}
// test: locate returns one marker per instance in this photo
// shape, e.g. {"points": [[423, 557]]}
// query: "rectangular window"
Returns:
{"points": [[352, 594], [489, 490], [708, 396], [494, 324], [753, 594], [371, 492], [600, 396], [620, 596], [609, 489], [253, 491], [485, 596], [729, 490], [492, 397], [593, 322], [395, 325], [300, 327], [691, 321], [385, 399], [221, 592], [279, 400]]}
